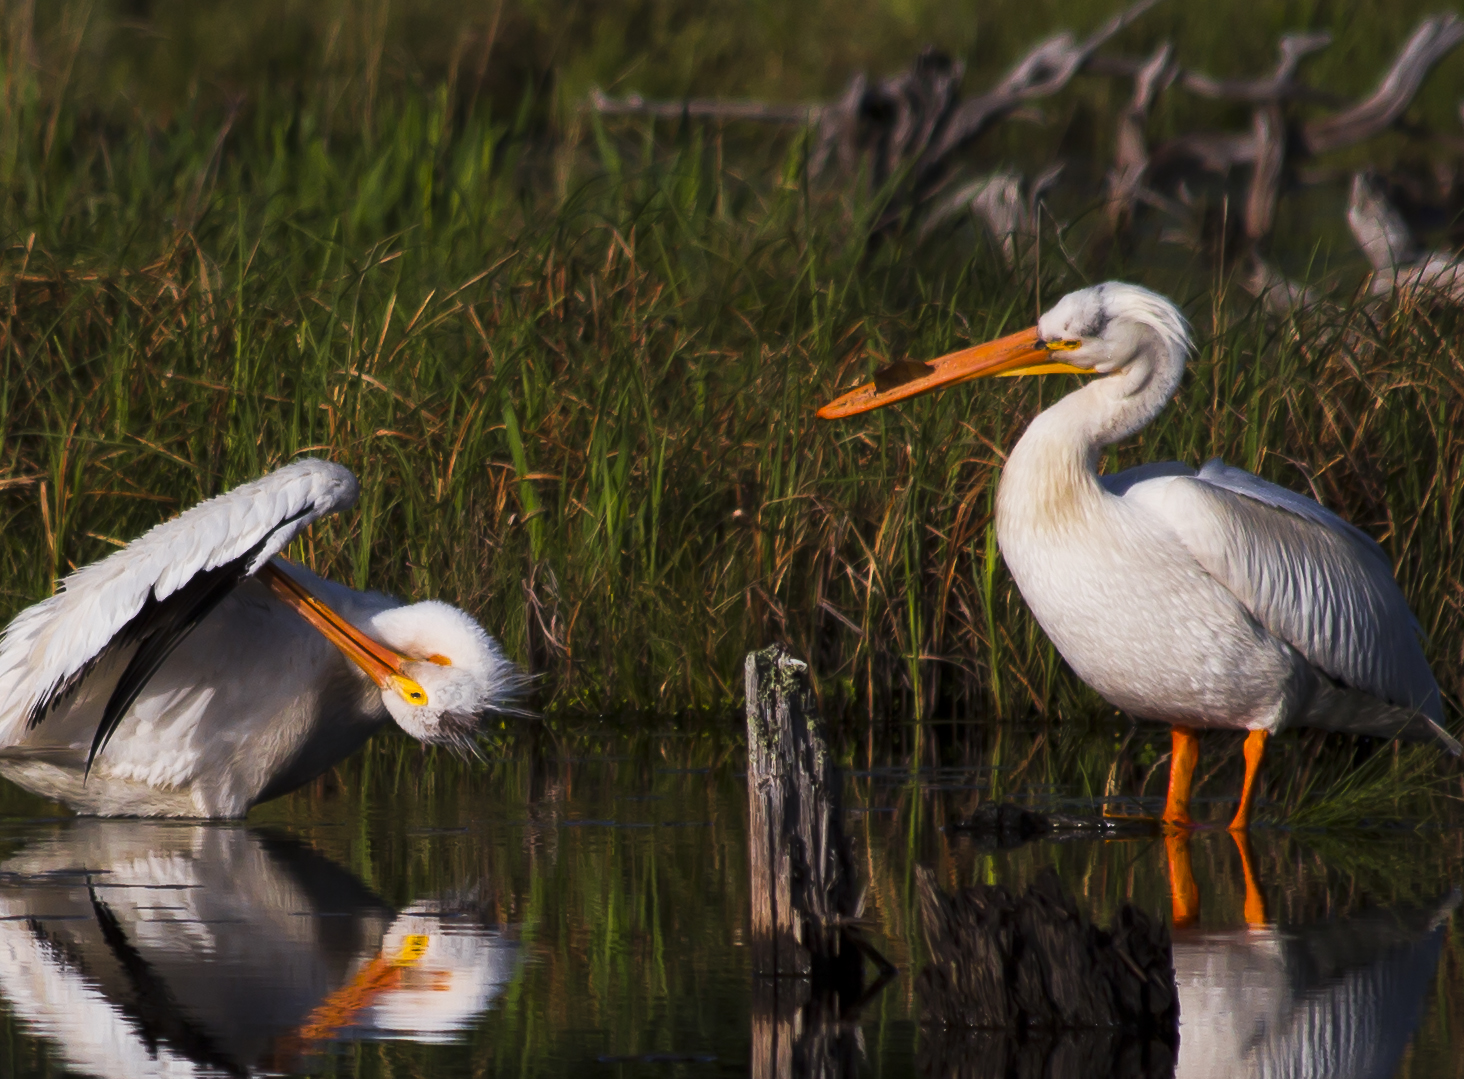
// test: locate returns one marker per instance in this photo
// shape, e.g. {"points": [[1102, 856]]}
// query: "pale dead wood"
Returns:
{"points": [[1378, 227], [1279, 86], [1042, 72], [1006, 206], [1268, 130], [1131, 158], [1400, 264], [1434, 39], [1279, 295], [906, 132]]}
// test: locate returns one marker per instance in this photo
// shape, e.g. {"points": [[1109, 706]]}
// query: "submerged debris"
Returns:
{"points": [[1034, 967], [1005, 825]]}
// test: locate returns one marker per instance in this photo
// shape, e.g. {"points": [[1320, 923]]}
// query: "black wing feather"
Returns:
{"points": [[155, 1008]]}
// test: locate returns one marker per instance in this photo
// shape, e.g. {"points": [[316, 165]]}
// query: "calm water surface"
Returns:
{"points": [[587, 916]]}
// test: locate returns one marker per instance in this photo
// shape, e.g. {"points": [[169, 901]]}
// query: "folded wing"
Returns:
{"points": [[1309, 578]]}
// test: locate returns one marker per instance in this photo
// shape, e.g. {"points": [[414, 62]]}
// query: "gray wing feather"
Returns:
{"points": [[54, 640], [1310, 578], [1217, 473], [1120, 483]]}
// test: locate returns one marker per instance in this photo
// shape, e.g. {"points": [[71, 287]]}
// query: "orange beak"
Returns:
{"points": [[381, 664], [1016, 354]]}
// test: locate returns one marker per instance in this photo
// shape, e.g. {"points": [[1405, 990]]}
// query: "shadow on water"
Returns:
{"points": [[584, 912]]}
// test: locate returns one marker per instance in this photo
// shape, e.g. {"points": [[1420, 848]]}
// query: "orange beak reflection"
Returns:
{"points": [[1016, 354], [381, 664]]}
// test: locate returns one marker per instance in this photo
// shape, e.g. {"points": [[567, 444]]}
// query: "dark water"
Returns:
{"points": [[587, 917]]}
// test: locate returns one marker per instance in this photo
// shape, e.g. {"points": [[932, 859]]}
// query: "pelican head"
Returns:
{"points": [[1112, 328], [449, 660], [1107, 327], [436, 668]]}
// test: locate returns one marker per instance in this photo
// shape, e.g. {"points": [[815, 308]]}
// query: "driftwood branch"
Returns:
{"points": [[1279, 295], [905, 134], [1268, 132], [1043, 72], [1279, 86], [1131, 160], [1434, 39], [1004, 203], [1400, 264]]}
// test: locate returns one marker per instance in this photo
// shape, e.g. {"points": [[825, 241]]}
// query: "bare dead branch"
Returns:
{"points": [[1209, 151], [1004, 204], [1281, 85], [1434, 39], [1279, 295], [1379, 228], [1044, 71], [1399, 263], [907, 130], [921, 101], [1264, 146], [1269, 135], [836, 130], [1131, 160]]}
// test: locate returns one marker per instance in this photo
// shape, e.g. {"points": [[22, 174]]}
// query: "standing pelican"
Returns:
{"points": [[194, 673], [1202, 599]]}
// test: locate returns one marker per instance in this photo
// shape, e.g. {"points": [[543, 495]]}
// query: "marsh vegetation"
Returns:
{"points": [[575, 362]]}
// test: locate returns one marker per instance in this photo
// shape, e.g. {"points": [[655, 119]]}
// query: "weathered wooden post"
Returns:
{"points": [[804, 953], [803, 894]]}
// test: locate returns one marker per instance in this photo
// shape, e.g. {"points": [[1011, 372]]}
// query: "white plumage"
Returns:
{"points": [[146, 951], [1202, 599], [1339, 999], [188, 650]]}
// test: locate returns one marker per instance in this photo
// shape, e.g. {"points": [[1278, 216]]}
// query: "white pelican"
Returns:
{"points": [[194, 673], [1341, 998], [1202, 599], [143, 949]]}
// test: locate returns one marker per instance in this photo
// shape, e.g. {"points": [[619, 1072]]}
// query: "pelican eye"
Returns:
{"points": [[410, 691], [1066, 344]]}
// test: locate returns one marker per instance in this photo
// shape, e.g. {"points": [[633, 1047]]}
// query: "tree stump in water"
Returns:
{"points": [[808, 960], [803, 894], [1028, 983]]}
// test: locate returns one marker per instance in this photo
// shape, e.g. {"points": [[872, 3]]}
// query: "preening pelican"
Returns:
{"points": [[195, 673], [1209, 599], [137, 950]]}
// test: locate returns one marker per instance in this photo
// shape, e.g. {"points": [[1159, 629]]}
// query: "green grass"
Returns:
{"points": [[575, 366]]}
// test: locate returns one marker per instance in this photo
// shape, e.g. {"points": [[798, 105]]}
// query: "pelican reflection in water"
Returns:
{"points": [[142, 949], [1339, 999]]}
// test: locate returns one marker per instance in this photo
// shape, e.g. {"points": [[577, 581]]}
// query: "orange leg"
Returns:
{"points": [[1255, 902], [1183, 895], [1255, 749], [1181, 773]]}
